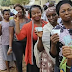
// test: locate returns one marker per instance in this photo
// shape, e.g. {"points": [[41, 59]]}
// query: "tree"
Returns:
{"points": [[5, 2], [1, 1]]}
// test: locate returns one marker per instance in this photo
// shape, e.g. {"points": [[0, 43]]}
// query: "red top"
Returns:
{"points": [[26, 32], [28, 16]]}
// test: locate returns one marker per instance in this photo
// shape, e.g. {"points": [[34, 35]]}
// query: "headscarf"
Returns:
{"points": [[61, 3], [51, 9]]}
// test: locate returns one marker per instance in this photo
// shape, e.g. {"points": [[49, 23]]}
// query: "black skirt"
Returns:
{"points": [[33, 68]]}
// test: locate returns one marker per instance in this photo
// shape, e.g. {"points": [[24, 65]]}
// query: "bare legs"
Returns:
{"points": [[7, 66]]}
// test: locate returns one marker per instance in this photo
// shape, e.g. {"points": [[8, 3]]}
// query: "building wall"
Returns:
{"points": [[56, 1], [42, 2], [37, 2]]}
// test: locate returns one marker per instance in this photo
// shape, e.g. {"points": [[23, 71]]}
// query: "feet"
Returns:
{"points": [[8, 70], [9, 51], [16, 70]]}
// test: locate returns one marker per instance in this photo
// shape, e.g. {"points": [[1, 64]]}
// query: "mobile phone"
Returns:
{"points": [[38, 29], [14, 11], [54, 31]]}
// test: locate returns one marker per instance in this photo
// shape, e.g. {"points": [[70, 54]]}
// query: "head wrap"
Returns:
{"points": [[61, 3], [51, 9]]}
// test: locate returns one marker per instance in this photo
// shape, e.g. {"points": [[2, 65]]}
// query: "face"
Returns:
{"points": [[65, 12], [52, 16], [20, 12], [36, 13], [6, 15]]}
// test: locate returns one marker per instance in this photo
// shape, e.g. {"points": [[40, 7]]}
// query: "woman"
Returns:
{"points": [[28, 31], [44, 17], [41, 50], [4, 30], [63, 41], [2, 62], [17, 46]]}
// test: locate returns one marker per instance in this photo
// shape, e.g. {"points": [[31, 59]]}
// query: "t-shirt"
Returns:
{"points": [[12, 24]]}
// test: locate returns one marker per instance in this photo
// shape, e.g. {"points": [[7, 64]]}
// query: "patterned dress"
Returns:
{"points": [[2, 62]]}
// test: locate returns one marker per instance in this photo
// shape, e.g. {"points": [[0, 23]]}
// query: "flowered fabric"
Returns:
{"points": [[65, 38], [47, 64]]}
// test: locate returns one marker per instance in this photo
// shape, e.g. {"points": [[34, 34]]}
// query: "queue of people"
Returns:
{"points": [[47, 48]]}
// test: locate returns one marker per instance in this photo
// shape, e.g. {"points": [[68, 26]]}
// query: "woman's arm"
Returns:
{"points": [[11, 31], [69, 64], [20, 34], [17, 30], [40, 46], [54, 40], [53, 49]]}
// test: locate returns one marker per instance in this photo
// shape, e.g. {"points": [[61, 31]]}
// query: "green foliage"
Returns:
{"points": [[1, 1], [8, 2], [19, 1], [5, 2]]}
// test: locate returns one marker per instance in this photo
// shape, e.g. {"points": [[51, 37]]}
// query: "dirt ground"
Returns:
{"points": [[14, 69]]}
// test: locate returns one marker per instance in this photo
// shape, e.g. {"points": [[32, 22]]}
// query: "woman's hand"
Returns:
{"points": [[16, 19], [39, 34], [67, 51], [40, 46], [54, 38], [9, 51]]}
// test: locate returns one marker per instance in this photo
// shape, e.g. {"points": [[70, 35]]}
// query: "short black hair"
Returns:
{"points": [[45, 7], [34, 6], [5, 11], [18, 5], [61, 3]]}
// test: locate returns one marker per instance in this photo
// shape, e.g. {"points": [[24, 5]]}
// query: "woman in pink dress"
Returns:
{"points": [[2, 62]]}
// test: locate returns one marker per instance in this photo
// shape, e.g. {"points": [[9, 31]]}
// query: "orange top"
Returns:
{"points": [[26, 32]]}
